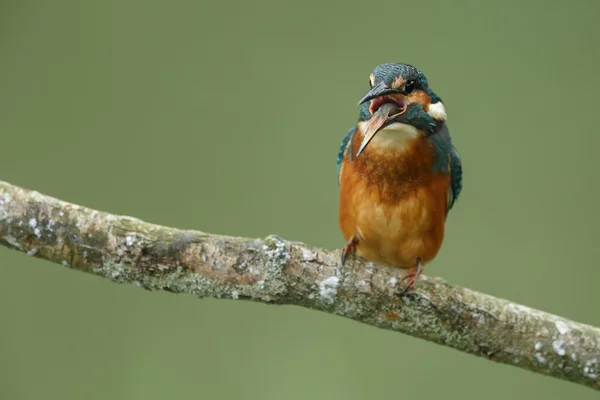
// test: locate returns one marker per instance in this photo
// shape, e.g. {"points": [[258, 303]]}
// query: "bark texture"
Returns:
{"points": [[273, 270]]}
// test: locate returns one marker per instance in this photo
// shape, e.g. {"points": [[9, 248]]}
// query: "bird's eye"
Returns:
{"points": [[410, 87]]}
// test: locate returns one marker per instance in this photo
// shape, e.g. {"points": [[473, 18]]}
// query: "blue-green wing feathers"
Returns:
{"points": [[448, 162], [346, 142], [455, 167]]}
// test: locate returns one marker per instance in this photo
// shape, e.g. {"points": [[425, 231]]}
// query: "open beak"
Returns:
{"points": [[378, 90], [385, 105]]}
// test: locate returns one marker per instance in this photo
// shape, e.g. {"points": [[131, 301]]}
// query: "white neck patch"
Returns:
{"points": [[437, 111]]}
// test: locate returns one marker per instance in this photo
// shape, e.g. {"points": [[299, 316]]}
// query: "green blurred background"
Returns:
{"points": [[226, 116]]}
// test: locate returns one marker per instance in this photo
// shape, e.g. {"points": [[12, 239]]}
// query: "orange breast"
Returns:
{"points": [[393, 203]]}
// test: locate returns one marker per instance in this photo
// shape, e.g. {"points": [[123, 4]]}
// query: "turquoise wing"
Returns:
{"points": [[448, 162], [455, 167], [347, 141]]}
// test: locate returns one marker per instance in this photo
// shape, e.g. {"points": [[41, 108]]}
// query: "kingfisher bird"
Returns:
{"points": [[399, 173]]}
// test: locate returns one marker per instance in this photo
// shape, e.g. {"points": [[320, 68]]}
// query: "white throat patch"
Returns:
{"points": [[395, 135]]}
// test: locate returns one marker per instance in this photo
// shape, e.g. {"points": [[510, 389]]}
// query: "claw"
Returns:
{"points": [[412, 276], [350, 248]]}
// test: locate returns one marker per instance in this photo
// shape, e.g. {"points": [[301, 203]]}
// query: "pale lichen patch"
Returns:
{"points": [[562, 327], [328, 288], [479, 317], [590, 369], [538, 345], [3, 203], [277, 257], [12, 241], [541, 359], [50, 226], [559, 347], [275, 249], [306, 254]]}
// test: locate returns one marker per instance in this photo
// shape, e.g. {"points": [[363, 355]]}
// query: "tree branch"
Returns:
{"points": [[127, 250]]}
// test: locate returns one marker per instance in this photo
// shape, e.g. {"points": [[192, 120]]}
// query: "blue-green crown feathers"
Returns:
{"points": [[389, 71]]}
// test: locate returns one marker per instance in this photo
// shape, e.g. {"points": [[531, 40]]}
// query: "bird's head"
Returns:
{"points": [[399, 94]]}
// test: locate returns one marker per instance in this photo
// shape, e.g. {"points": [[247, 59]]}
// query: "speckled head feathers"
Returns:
{"points": [[393, 74], [390, 71]]}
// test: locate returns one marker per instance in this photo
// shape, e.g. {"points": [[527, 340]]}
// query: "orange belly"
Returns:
{"points": [[394, 224]]}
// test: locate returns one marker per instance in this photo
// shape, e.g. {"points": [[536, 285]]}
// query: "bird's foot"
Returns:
{"points": [[350, 248], [412, 276]]}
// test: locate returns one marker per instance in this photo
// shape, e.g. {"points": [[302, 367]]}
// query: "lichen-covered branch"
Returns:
{"points": [[272, 270]]}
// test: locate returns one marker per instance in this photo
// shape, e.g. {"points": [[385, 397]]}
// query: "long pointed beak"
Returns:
{"points": [[378, 90], [377, 122]]}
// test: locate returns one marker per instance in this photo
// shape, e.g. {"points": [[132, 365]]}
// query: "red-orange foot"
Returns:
{"points": [[350, 248], [412, 276]]}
